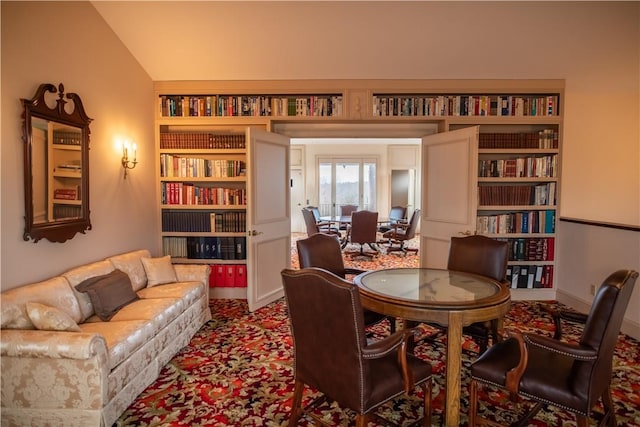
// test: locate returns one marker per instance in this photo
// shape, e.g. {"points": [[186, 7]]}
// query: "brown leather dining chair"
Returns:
{"points": [[323, 251], [346, 211], [401, 232], [314, 226], [332, 356], [487, 257], [483, 256], [572, 376], [363, 231], [396, 214]]}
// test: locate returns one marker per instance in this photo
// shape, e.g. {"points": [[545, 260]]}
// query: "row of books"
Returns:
{"points": [[66, 211], [250, 105], [207, 247], [517, 222], [67, 138], [67, 193], [201, 140], [530, 276], [466, 105], [544, 139], [174, 166], [505, 195], [228, 276], [184, 193], [520, 167], [204, 221], [531, 249]]}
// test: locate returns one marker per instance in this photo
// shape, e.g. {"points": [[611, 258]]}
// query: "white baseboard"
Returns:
{"points": [[628, 327]]}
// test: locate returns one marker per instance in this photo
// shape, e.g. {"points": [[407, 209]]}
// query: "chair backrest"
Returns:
{"points": [[413, 225], [364, 227], [328, 334], [315, 211], [602, 328], [347, 210], [479, 254], [309, 221], [397, 213], [322, 251]]}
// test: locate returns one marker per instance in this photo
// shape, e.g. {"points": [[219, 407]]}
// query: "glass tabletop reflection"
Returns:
{"points": [[429, 286]]}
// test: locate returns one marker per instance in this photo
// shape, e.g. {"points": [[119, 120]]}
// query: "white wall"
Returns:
{"points": [[70, 43]]}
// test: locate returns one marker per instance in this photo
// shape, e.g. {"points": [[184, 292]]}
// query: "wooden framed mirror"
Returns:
{"points": [[56, 165]]}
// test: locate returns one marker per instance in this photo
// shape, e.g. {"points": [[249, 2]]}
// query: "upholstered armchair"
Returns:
{"points": [[572, 376], [331, 352], [363, 231]]}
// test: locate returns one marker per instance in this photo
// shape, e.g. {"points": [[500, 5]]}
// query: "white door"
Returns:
{"points": [[268, 216], [449, 192], [297, 201]]}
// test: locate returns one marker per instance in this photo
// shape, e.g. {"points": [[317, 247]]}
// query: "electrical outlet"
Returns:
{"points": [[592, 289]]}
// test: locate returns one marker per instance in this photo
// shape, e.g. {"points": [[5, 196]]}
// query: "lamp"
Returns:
{"points": [[126, 163]]}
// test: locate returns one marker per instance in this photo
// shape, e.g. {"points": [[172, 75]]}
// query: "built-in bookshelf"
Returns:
{"points": [[203, 201], [518, 193], [200, 173]]}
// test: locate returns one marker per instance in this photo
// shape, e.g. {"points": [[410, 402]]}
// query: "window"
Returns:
{"points": [[346, 182]]}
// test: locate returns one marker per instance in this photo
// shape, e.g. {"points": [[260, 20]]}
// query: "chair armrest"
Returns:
{"points": [[575, 351], [513, 376], [398, 340], [388, 344], [559, 315]]}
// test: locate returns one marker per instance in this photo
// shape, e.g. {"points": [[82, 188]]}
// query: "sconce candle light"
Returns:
{"points": [[126, 163]]}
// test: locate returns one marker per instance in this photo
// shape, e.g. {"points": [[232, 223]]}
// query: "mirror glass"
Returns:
{"points": [[56, 136]]}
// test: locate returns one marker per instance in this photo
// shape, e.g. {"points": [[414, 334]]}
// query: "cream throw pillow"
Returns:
{"points": [[159, 270], [50, 318]]}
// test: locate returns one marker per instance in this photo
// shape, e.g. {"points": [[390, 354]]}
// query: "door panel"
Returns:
{"points": [[297, 201], [449, 192], [269, 221]]}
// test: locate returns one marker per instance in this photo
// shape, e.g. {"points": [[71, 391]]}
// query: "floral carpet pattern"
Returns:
{"points": [[238, 371]]}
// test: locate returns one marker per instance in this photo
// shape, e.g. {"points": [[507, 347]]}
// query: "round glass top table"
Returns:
{"points": [[449, 298]]}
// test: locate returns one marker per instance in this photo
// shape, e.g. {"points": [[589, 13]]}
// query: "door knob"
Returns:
{"points": [[255, 233]]}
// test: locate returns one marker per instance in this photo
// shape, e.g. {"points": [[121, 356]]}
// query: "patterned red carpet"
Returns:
{"points": [[238, 371]]}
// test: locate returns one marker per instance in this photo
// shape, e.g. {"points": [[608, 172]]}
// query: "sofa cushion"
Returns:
{"points": [[159, 270], [48, 318], [130, 263], [78, 274], [108, 293], [54, 292], [189, 292]]}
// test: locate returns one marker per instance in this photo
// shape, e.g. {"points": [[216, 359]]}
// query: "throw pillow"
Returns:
{"points": [[108, 293], [48, 318], [159, 270]]}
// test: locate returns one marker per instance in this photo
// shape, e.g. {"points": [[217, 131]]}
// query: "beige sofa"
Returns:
{"points": [[89, 376]]}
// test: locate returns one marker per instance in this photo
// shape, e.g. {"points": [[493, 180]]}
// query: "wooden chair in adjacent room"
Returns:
{"points": [[569, 375], [323, 251], [332, 355]]}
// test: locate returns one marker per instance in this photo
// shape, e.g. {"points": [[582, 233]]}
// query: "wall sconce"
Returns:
{"points": [[126, 163]]}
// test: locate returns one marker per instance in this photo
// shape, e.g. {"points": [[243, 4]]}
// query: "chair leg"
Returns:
{"points": [[427, 388], [609, 410], [296, 403], [362, 420], [473, 402]]}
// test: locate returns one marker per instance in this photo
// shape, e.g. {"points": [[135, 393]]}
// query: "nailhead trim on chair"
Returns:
{"points": [[564, 353]]}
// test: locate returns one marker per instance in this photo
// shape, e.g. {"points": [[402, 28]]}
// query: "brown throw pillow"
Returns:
{"points": [[108, 293]]}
